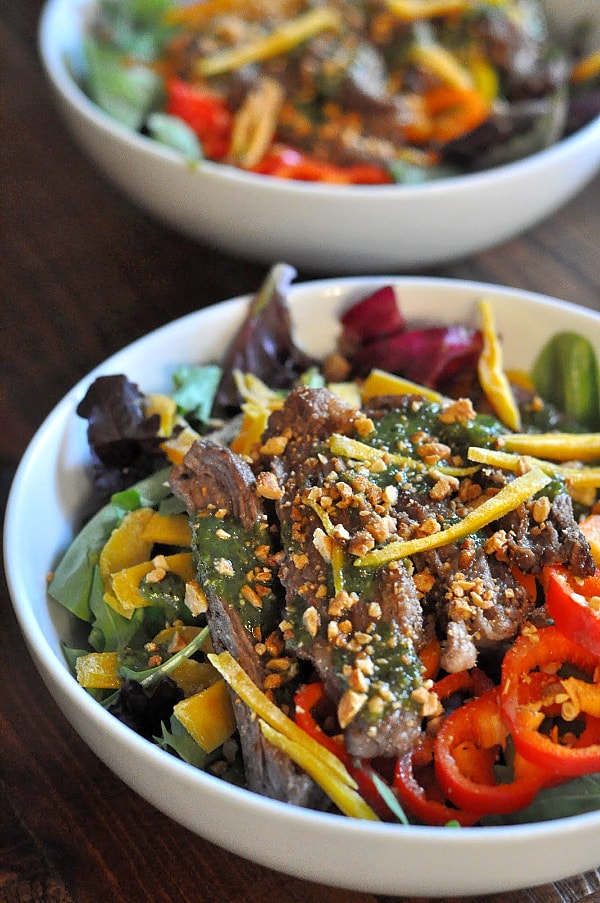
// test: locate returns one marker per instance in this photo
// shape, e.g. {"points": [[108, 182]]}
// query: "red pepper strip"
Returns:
{"points": [[548, 649], [416, 786], [205, 112], [287, 163], [574, 606], [467, 746], [306, 701], [474, 682]]}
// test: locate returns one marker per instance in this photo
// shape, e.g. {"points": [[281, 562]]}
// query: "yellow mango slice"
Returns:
{"points": [[166, 408], [125, 583], [170, 529], [208, 716], [177, 447], [193, 677], [379, 382], [126, 545], [99, 670]]}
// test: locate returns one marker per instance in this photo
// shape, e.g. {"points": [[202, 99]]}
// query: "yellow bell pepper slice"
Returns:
{"points": [[492, 377], [193, 677], [414, 10]]}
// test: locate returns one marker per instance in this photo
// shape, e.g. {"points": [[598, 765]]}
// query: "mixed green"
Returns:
{"points": [[399, 614], [375, 92]]}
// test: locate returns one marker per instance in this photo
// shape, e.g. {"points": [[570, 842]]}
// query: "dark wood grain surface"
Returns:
{"points": [[82, 273]]}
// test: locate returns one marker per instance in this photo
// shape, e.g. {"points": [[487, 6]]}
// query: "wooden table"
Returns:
{"points": [[82, 273]]}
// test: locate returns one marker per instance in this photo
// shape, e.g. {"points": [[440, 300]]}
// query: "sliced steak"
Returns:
{"points": [[361, 631], [218, 485]]}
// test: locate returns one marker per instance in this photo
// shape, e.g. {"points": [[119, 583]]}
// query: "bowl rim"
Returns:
{"points": [[53, 60], [54, 670]]}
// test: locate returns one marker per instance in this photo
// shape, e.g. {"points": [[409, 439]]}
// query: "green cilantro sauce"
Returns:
{"points": [[225, 560]]}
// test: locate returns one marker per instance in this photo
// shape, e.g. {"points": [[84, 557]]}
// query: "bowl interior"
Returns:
{"points": [[48, 491]]}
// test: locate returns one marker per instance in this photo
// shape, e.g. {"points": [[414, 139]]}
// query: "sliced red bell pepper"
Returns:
{"points": [[417, 788], [205, 112], [574, 606], [467, 746], [308, 698], [285, 162], [530, 703], [473, 682]]}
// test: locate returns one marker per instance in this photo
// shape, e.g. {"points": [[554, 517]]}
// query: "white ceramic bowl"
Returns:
{"points": [[318, 228], [49, 487]]}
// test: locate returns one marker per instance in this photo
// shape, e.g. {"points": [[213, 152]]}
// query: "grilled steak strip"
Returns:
{"points": [[362, 637], [231, 542]]}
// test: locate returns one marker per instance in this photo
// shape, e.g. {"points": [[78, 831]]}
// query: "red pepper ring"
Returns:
{"points": [[473, 682], [306, 701], [524, 710], [416, 787], [574, 606], [466, 747]]}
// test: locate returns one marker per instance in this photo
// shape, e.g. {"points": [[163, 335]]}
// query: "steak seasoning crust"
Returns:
{"points": [[279, 542]]}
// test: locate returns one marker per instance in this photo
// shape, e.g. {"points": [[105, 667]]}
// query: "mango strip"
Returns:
{"points": [[414, 10], [491, 373], [262, 706], [588, 477], [556, 446], [506, 500], [380, 382], [280, 40], [353, 448], [345, 798]]}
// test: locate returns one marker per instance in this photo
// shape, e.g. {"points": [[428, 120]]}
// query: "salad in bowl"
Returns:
{"points": [[339, 583]]}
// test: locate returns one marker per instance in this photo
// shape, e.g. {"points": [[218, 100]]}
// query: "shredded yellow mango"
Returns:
{"points": [[507, 499], [492, 377], [345, 798], [262, 706], [346, 447], [413, 10], [280, 40], [556, 446], [588, 477]]}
